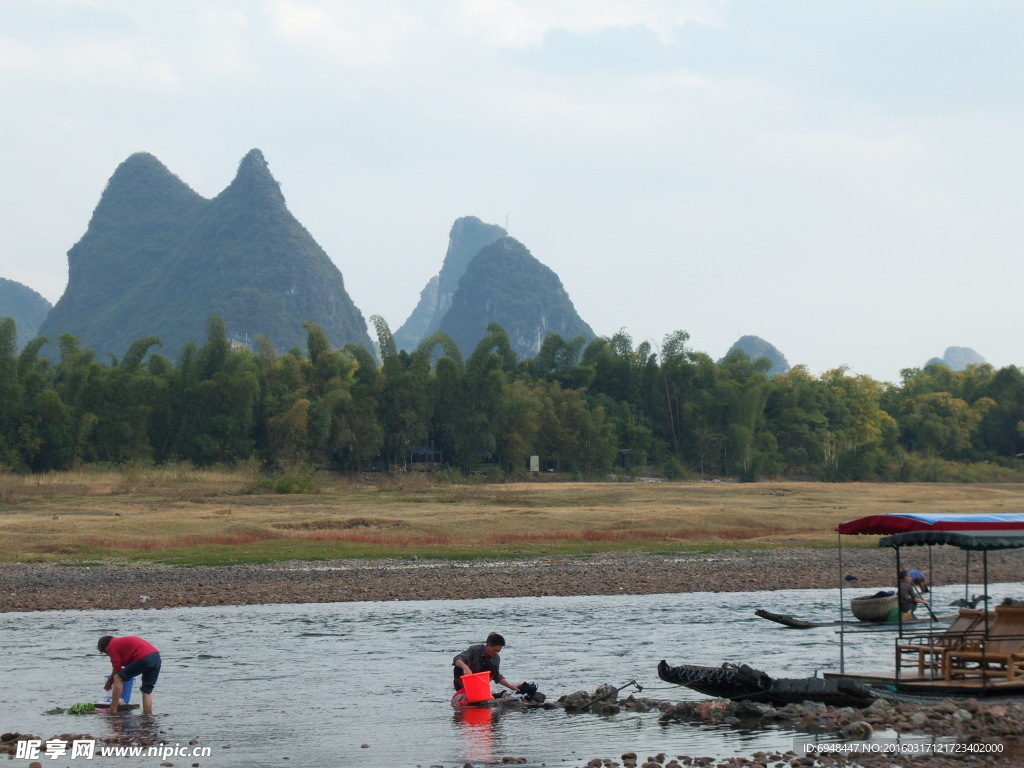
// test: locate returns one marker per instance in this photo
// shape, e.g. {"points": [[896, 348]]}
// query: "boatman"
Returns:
{"points": [[482, 657], [909, 596], [130, 656]]}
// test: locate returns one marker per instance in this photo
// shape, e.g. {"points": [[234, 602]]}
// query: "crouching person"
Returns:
{"points": [[130, 656]]}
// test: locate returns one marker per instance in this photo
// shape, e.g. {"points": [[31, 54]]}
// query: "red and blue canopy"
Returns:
{"points": [[997, 530]]}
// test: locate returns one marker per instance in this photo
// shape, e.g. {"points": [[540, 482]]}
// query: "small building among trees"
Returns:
{"points": [[424, 458]]}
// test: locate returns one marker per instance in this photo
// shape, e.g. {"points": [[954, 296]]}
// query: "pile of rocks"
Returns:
{"points": [[963, 722], [9, 741]]}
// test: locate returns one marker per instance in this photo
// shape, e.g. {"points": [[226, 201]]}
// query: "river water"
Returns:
{"points": [[369, 684]]}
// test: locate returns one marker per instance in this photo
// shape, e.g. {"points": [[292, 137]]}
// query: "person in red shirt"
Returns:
{"points": [[130, 656]]}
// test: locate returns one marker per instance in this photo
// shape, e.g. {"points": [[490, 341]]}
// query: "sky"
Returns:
{"points": [[843, 178]]}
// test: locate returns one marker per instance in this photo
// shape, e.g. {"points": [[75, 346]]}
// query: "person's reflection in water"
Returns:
{"points": [[134, 729], [477, 727]]}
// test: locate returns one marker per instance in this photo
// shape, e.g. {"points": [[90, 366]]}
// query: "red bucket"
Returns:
{"points": [[477, 687]]}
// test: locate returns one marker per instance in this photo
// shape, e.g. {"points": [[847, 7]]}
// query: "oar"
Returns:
{"points": [[931, 612]]}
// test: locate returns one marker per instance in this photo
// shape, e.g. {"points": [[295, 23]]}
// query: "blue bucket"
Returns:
{"points": [[126, 691]]}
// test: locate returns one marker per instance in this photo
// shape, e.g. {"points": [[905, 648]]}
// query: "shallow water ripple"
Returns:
{"points": [[314, 683]]}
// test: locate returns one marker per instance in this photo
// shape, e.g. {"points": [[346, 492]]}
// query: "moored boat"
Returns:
{"points": [[986, 660], [743, 683], [791, 621]]}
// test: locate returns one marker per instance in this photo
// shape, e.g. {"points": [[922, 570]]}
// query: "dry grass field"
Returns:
{"points": [[185, 516]]}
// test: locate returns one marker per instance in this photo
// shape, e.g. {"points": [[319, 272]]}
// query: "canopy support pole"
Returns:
{"points": [[842, 618], [899, 611], [931, 613], [984, 587], [967, 579], [984, 602], [899, 570]]}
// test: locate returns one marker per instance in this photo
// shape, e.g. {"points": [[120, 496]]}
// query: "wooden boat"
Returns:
{"points": [[743, 683], [791, 621], [982, 667]]}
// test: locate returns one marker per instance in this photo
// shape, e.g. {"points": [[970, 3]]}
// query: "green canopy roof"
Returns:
{"points": [[970, 540]]}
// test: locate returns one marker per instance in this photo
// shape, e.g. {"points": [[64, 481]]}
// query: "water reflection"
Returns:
{"points": [[476, 727], [130, 727]]}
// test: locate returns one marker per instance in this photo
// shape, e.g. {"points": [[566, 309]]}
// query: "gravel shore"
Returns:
{"points": [[42, 587]]}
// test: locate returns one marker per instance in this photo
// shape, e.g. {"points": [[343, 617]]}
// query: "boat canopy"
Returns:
{"points": [[980, 532]]}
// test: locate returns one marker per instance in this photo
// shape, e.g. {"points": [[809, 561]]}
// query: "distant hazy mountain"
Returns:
{"points": [[467, 237], [755, 347], [157, 258], [958, 358], [505, 284], [23, 305]]}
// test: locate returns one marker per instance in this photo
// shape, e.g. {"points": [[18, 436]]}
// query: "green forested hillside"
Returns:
{"points": [[159, 259], [754, 347], [467, 237], [24, 306], [504, 284], [958, 358]]}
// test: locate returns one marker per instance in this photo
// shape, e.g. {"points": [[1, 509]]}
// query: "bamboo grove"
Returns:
{"points": [[585, 409]]}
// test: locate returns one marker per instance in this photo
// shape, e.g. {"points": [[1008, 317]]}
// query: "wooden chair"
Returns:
{"points": [[1001, 654], [966, 631]]}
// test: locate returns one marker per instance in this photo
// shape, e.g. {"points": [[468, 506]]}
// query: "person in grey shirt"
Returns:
{"points": [[909, 596], [482, 657]]}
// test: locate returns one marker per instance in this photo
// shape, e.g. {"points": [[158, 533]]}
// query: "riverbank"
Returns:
{"points": [[45, 587]]}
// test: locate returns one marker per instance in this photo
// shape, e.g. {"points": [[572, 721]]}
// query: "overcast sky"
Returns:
{"points": [[842, 179]]}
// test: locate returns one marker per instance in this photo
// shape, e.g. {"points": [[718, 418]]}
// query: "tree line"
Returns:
{"points": [[584, 409]]}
